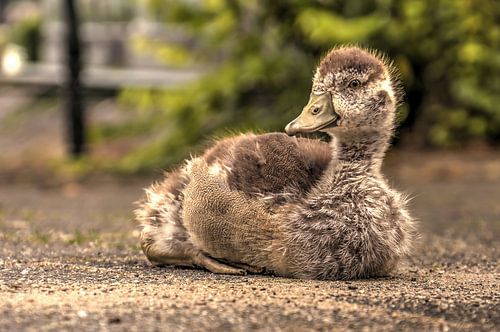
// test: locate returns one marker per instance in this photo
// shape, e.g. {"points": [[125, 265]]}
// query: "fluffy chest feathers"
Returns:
{"points": [[350, 200]]}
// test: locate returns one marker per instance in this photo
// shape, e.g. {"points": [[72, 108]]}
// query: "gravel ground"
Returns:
{"points": [[69, 260]]}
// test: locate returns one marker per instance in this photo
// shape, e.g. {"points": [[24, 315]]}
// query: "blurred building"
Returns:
{"points": [[108, 29]]}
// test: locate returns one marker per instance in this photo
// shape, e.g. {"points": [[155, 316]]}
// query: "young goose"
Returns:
{"points": [[293, 206]]}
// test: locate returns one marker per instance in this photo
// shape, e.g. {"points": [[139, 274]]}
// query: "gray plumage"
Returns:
{"points": [[292, 206]]}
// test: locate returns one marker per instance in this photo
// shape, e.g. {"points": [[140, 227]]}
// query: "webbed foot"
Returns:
{"points": [[215, 266]]}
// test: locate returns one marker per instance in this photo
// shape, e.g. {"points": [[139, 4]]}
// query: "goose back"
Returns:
{"points": [[271, 164]]}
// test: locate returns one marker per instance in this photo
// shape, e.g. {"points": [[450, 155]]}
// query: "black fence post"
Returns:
{"points": [[3, 5], [73, 93]]}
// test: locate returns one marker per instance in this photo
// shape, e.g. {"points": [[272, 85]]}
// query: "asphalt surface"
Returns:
{"points": [[69, 260]]}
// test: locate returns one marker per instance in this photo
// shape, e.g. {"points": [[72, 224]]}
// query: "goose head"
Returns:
{"points": [[352, 91]]}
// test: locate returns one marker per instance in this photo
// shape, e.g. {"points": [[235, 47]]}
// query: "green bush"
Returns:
{"points": [[261, 57], [26, 33]]}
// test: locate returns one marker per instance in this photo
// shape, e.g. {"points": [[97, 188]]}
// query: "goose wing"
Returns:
{"points": [[271, 164]]}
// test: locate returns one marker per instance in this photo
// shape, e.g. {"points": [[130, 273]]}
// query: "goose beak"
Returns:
{"points": [[317, 115]]}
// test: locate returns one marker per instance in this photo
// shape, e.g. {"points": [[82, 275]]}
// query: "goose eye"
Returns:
{"points": [[315, 110], [354, 84]]}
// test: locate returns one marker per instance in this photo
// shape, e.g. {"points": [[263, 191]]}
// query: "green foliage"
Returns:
{"points": [[261, 57], [27, 34], [328, 26], [453, 47]]}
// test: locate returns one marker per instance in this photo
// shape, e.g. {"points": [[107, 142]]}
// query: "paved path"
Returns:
{"points": [[69, 260]]}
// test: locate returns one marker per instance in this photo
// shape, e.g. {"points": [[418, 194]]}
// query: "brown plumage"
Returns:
{"points": [[270, 163], [293, 206]]}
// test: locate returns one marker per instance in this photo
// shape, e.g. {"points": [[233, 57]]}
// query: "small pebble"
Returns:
{"points": [[82, 314], [114, 320]]}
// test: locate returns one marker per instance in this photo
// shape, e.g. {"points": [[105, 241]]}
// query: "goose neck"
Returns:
{"points": [[363, 151]]}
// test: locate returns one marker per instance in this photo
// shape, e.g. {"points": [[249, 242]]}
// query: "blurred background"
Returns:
{"points": [[97, 97], [159, 77]]}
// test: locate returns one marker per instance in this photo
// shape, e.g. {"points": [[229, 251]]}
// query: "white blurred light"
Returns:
{"points": [[13, 60]]}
